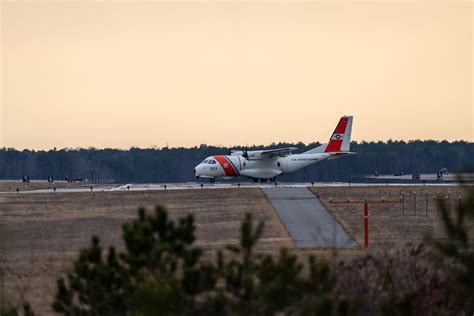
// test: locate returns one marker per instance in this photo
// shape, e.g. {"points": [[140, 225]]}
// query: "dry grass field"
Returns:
{"points": [[390, 225], [42, 233]]}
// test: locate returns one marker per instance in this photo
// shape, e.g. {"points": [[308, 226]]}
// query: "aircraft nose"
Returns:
{"points": [[196, 171]]}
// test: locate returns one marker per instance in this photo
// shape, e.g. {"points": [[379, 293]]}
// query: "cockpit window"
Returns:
{"points": [[209, 161]]}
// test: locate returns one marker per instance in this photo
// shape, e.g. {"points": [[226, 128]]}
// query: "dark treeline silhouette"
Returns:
{"points": [[176, 164]]}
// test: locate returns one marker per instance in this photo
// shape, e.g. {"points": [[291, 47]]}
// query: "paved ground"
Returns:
{"points": [[307, 220], [10, 186]]}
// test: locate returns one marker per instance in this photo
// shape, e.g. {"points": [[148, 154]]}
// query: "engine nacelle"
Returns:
{"points": [[254, 155]]}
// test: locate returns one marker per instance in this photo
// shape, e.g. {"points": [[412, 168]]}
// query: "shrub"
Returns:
{"points": [[160, 272]]}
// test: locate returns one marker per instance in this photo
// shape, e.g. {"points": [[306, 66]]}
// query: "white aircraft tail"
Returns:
{"points": [[340, 140]]}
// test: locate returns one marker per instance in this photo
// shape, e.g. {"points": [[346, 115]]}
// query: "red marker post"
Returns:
{"points": [[366, 223], [366, 203]]}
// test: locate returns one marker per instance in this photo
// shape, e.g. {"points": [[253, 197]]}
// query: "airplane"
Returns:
{"points": [[265, 165]]}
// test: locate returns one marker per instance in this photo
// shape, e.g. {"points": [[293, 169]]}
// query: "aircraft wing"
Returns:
{"points": [[282, 152]]}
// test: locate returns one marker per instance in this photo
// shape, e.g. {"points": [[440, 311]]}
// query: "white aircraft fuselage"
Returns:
{"points": [[231, 166], [268, 164]]}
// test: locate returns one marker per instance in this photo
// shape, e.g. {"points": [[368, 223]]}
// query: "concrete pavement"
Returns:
{"points": [[307, 220]]}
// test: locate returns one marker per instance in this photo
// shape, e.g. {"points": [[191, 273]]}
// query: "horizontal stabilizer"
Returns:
{"points": [[317, 150]]}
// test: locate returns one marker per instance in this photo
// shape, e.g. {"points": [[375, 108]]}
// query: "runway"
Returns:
{"points": [[307, 220], [84, 187]]}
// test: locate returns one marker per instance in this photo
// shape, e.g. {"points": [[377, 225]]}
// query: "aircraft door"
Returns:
{"points": [[282, 164]]}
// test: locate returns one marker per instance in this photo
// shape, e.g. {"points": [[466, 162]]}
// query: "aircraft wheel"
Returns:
{"points": [[272, 179], [212, 180]]}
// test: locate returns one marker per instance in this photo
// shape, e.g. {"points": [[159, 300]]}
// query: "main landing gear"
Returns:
{"points": [[262, 180]]}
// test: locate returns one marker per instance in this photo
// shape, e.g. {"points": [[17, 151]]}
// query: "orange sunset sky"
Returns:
{"points": [[147, 73]]}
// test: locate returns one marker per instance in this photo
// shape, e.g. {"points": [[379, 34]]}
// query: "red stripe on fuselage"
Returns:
{"points": [[226, 166]]}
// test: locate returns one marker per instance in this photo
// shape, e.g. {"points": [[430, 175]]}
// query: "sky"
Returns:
{"points": [[147, 73]]}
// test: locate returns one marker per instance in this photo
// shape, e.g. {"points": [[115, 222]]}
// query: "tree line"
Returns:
{"points": [[176, 164]]}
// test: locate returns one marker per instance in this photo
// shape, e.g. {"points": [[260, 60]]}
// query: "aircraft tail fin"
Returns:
{"points": [[340, 140]]}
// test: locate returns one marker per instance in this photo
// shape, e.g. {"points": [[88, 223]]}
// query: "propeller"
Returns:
{"points": [[246, 153]]}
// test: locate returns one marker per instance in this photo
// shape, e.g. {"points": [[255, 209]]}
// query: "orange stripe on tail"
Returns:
{"points": [[335, 142]]}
